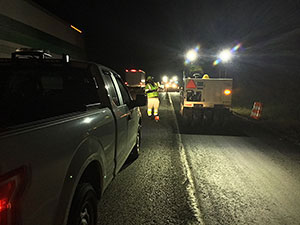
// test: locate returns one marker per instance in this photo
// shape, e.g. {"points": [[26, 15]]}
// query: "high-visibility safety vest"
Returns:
{"points": [[151, 90]]}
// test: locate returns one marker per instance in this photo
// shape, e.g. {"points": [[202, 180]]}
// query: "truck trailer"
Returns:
{"points": [[205, 99], [135, 78], [135, 81]]}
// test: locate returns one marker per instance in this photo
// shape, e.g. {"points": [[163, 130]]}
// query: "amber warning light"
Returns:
{"points": [[227, 92], [75, 28]]}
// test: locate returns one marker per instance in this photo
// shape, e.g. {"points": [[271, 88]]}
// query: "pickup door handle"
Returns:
{"points": [[128, 115]]}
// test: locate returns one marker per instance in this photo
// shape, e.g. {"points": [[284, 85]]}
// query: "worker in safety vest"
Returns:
{"points": [[151, 90]]}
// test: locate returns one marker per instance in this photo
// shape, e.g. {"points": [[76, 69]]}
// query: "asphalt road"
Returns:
{"points": [[234, 173]]}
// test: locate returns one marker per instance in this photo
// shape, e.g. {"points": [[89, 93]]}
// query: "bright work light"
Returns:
{"points": [[191, 55], [165, 79], [225, 55]]}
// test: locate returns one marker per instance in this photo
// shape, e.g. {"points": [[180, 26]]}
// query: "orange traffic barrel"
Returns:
{"points": [[256, 110]]}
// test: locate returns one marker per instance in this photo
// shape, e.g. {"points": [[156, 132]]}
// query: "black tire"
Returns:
{"points": [[136, 149], [218, 118], [208, 118], [187, 115], [84, 206]]}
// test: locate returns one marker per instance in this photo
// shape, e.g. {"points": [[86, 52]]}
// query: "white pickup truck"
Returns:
{"points": [[66, 129], [205, 99]]}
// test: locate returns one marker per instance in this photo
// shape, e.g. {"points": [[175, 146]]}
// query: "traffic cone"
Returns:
{"points": [[156, 118], [256, 110]]}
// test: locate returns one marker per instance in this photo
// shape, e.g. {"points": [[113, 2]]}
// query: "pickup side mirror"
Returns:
{"points": [[140, 100]]}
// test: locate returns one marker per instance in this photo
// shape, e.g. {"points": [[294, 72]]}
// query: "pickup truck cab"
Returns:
{"points": [[66, 129]]}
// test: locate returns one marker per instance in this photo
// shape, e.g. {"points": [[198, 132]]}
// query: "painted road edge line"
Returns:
{"points": [[187, 172]]}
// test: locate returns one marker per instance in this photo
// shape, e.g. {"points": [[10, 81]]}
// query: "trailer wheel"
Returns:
{"points": [[181, 110], [208, 117], [218, 117], [187, 115]]}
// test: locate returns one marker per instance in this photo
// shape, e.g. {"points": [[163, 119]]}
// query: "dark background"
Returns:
{"points": [[155, 35]]}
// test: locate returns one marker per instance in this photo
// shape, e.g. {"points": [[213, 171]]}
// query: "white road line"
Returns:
{"points": [[187, 172]]}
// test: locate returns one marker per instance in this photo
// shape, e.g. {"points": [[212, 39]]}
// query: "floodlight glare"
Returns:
{"points": [[191, 55], [225, 55], [165, 79]]}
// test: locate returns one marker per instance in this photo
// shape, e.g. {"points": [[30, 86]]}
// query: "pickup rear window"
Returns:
{"points": [[32, 93]]}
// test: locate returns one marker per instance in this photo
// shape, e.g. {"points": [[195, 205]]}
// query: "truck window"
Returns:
{"points": [[32, 93], [124, 92], [111, 90]]}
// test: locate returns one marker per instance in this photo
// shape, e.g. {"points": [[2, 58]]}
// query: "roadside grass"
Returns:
{"points": [[280, 119], [243, 111]]}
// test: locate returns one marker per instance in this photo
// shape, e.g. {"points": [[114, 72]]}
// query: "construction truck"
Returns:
{"points": [[205, 99], [135, 81], [135, 78]]}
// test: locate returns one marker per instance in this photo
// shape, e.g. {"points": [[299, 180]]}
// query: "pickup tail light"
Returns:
{"points": [[6, 192], [11, 189]]}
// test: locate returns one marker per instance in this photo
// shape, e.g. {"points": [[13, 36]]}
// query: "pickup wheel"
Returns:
{"points": [[84, 206], [136, 149]]}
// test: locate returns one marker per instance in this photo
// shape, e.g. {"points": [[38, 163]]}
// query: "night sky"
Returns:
{"points": [[154, 35]]}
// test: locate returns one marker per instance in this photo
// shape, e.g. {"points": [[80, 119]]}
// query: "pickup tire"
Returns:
{"points": [[84, 206], [136, 149]]}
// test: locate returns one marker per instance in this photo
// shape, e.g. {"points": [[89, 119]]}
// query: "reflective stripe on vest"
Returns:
{"points": [[151, 91]]}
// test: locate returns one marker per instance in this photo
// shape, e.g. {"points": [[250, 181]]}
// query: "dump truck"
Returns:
{"points": [[135, 81], [135, 78], [205, 99]]}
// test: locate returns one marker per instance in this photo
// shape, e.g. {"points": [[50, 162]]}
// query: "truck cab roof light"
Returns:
{"points": [[126, 71], [75, 28], [133, 70]]}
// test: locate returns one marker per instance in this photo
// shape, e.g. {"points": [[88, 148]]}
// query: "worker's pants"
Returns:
{"points": [[153, 103]]}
